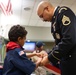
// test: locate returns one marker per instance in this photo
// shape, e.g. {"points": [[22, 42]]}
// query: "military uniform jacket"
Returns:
{"points": [[63, 29], [16, 64]]}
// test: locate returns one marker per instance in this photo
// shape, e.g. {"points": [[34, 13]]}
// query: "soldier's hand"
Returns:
{"points": [[39, 55], [44, 60]]}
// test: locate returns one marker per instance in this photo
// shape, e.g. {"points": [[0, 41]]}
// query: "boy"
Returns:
{"points": [[16, 61]]}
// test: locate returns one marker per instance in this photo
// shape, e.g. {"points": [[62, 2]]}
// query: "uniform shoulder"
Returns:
{"points": [[64, 8]]}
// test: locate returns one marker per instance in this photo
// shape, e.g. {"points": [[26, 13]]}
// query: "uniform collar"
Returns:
{"points": [[55, 12]]}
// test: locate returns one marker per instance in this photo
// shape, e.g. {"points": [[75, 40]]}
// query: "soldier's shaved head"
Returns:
{"points": [[42, 5], [45, 10]]}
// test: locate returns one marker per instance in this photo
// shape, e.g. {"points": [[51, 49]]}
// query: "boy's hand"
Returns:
{"points": [[39, 55], [43, 53]]}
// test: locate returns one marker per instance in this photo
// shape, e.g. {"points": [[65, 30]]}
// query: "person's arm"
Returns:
{"points": [[33, 54], [45, 60], [38, 62], [21, 62]]}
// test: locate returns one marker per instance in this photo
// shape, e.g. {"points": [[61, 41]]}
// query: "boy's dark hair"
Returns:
{"points": [[15, 32]]}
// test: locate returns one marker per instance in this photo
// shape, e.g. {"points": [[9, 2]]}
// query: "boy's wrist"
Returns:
{"points": [[34, 54]]}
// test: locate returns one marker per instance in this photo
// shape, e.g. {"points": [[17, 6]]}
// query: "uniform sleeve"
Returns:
{"points": [[67, 22], [23, 63]]}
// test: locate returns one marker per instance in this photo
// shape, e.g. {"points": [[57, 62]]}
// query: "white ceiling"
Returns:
{"points": [[29, 17]]}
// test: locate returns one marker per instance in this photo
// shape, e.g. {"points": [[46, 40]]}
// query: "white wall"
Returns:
{"points": [[39, 33], [35, 33]]}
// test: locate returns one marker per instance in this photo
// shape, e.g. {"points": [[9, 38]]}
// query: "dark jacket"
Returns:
{"points": [[17, 64], [63, 29]]}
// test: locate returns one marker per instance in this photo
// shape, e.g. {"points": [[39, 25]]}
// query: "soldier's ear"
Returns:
{"points": [[47, 8]]}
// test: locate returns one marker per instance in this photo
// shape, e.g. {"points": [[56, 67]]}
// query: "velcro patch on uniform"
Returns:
{"points": [[21, 53], [66, 20]]}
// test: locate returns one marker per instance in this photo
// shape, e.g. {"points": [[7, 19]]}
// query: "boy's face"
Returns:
{"points": [[21, 41]]}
